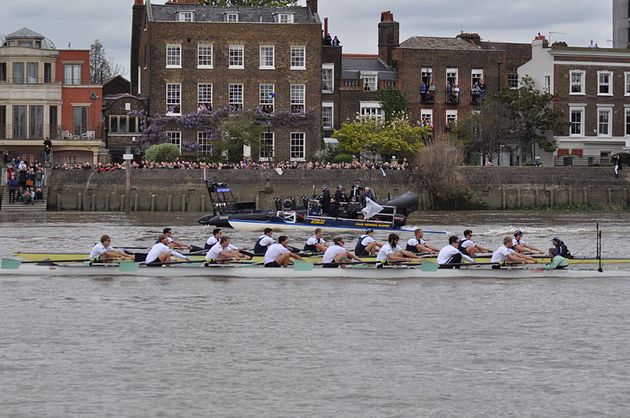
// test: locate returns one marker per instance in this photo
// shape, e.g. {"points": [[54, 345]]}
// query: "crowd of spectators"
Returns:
{"points": [[243, 165], [24, 180]]}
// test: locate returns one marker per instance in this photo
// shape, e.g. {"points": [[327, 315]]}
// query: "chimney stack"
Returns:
{"points": [[182, 2], [138, 2], [312, 6], [388, 37]]}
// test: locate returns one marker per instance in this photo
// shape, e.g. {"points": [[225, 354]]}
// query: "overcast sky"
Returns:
{"points": [[79, 22]]}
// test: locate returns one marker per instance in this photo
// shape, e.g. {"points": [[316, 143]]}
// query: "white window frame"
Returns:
{"points": [[582, 111], [234, 51], [171, 96], [582, 84], [205, 56], [370, 80], [205, 143], [174, 59], [285, 18], [426, 112], [262, 57], [603, 110], [329, 67], [331, 106], [449, 115], [454, 71], [626, 114], [298, 53], [476, 74], [295, 136], [264, 136], [266, 96], [626, 79], [232, 98], [426, 71], [186, 16], [298, 97], [175, 137], [231, 17], [609, 84], [509, 80], [548, 84], [372, 109], [203, 94]]}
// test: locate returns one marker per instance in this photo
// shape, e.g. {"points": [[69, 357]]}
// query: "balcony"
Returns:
{"points": [[266, 108], [452, 95], [477, 95]]}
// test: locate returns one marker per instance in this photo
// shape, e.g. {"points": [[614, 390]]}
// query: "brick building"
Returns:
{"points": [[45, 93], [591, 86], [187, 57]]}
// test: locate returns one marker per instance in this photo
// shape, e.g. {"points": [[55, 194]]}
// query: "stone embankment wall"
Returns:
{"points": [[184, 190]]}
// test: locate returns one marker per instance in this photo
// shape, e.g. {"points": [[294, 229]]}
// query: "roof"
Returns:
{"points": [[353, 64], [24, 33], [430, 42], [168, 13]]}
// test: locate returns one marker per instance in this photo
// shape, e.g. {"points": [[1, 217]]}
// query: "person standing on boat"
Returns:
{"points": [[367, 246], [450, 256], [558, 262], [223, 251], [336, 255], [161, 252], [263, 242], [505, 254], [213, 239], [418, 245], [391, 252], [173, 243], [521, 246], [316, 243], [469, 247], [325, 200], [103, 251], [279, 255]]}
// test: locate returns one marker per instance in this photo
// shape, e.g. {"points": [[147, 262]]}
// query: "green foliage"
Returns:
{"points": [[236, 3], [325, 154], [162, 153], [393, 102], [342, 158], [396, 137], [238, 131]]}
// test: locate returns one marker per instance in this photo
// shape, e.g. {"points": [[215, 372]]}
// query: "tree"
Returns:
{"points": [[395, 137], [393, 102], [162, 153], [237, 132], [236, 3], [101, 68]]}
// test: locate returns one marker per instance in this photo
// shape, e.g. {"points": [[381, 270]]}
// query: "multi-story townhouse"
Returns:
{"points": [[621, 23], [45, 93], [591, 86], [186, 57]]}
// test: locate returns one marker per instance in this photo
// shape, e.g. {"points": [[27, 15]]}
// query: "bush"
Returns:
{"points": [[162, 153], [343, 158]]}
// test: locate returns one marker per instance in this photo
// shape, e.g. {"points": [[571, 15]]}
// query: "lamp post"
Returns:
{"points": [[499, 76]]}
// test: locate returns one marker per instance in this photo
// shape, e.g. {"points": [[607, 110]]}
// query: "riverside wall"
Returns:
{"points": [[184, 190]]}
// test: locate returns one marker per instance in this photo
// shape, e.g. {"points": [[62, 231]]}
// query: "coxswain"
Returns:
{"points": [[161, 252], [418, 245], [103, 251], [336, 255], [366, 245], [223, 251], [173, 243], [213, 239], [561, 248], [391, 252], [558, 262], [279, 255], [505, 254], [450, 256], [469, 247], [263, 242], [521, 246], [316, 243]]}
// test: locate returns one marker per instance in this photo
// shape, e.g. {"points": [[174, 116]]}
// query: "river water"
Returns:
{"points": [[139, 347]]}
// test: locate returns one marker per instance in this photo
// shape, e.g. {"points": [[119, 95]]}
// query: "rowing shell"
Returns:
{"points": [[257, 272], [313, 259]]}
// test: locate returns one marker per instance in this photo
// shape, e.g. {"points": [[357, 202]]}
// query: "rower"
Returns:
{"points": [[366, 245], [558, 262], [505, 254], [223, 252], [450, 256], [561, 248], [263, 242], [279, 255], [336, 255], [391, 252], [521, 246], [103, 251], [418, 245], [216, 236], [469, 247], [173, 243], [161, 252], [316, 243]]}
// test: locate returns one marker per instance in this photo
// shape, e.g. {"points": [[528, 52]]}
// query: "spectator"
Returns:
{"points": [[335, 41]]}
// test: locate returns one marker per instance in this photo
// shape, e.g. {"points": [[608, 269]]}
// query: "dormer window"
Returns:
{"points": [[284, 18], [231, 17], [185, 16]]}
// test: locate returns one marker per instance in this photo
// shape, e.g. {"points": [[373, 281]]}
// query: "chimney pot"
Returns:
{"points": [[387, 16], [138, 2]]}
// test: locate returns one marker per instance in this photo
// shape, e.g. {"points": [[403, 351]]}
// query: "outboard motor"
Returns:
{"points": [[405, 203], [287, 204]]}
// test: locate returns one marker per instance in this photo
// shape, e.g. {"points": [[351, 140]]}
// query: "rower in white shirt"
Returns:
{"points": [[391, 252], [418, 245], [450, 256], [161, 252], [263, 242], [213, 239], [174, 243], [336, 255], [505, 254], [279, 255], [366, 245], [316, 243], [103, 251], [469, 247], [521, 246], [223, 252]]}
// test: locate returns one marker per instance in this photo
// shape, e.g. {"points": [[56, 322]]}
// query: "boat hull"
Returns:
{"points": [[308, 224]]}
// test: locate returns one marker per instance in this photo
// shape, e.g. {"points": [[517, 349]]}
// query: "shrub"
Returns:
{"points": [[342, 158], [162, 153]]}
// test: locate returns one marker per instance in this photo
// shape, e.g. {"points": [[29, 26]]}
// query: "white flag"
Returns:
{"points": [[371, 208]]}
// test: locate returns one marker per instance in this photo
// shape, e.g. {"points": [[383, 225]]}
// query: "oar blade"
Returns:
{"points": [[10, 264], [300, 265], [429, 266], [128, 267]]}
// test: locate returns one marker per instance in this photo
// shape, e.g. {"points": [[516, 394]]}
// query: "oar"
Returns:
{"points": [[12, 264]]}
